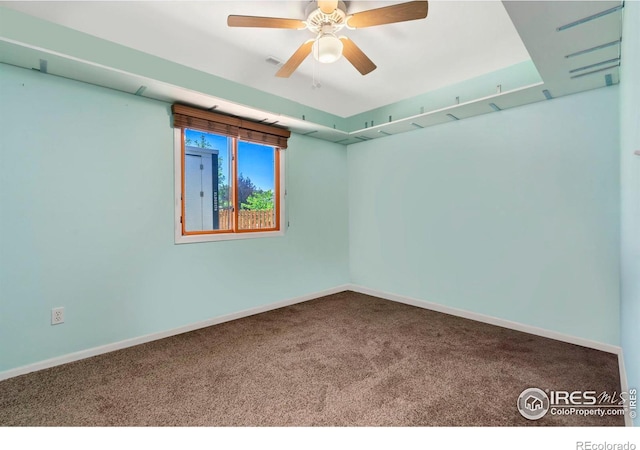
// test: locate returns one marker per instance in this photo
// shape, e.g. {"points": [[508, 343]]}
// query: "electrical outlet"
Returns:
{"points": [[57, 315]]}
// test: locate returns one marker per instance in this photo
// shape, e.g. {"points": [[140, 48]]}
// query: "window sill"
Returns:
{"points": [[192, 239]]}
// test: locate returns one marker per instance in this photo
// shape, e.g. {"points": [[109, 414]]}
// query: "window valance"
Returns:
{"points": [[200, 119]]}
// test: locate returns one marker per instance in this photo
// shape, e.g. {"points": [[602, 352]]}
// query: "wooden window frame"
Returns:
{"points": [[185, 237]]}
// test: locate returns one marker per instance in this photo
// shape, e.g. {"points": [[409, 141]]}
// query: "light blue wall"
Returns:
{"points": [[86, 222], [630, 191], [513, 214]]}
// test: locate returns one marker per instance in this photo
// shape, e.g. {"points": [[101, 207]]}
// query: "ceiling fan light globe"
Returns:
{"points": [[327, 48]]}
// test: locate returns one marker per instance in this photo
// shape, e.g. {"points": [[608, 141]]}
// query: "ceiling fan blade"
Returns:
{"points": [[327, 6], [356, 56], [265, 22], [296, 59], [389, 14]]}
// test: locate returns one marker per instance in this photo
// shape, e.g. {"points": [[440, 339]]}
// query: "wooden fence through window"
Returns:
{"points": [[247, 219]]}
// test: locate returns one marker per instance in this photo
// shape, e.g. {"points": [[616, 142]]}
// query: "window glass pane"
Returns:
{"points": [[256, 186], [207, 181]]}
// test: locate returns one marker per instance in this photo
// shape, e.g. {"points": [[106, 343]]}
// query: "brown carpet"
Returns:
{"points": [[343, 360]]}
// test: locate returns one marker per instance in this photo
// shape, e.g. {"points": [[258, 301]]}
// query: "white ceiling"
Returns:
{"points": [[459, 40]]}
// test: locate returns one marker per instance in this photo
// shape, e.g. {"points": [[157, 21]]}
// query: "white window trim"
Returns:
{"points": [[177, 189]]}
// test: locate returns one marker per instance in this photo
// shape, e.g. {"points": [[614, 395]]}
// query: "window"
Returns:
{"points": [[229, 185]]}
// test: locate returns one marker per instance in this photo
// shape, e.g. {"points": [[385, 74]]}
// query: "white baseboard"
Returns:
{"points": [[163, 334], [489, 319]]}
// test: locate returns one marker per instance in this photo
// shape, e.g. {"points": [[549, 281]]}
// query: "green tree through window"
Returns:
{"points": [[259, 201]]}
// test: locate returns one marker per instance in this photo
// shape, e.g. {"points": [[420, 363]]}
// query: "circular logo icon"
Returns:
{"points": [[533, 403]]}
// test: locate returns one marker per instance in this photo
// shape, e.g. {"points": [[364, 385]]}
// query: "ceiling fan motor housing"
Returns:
{"points": [[317, 20]]}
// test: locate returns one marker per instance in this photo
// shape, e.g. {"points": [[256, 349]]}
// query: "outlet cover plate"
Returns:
{"points": [[57, 315]]}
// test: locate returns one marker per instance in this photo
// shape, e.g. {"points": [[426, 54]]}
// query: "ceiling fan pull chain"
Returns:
{"points": [[314, 83]]}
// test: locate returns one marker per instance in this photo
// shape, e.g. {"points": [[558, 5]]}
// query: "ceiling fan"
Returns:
{"points": [[325, 19]]}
